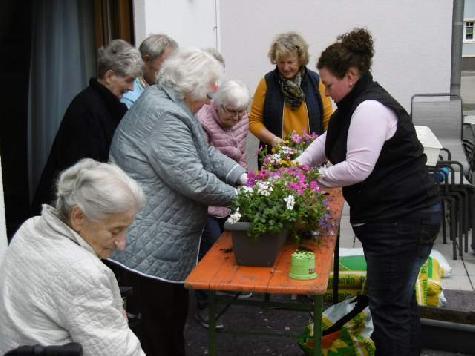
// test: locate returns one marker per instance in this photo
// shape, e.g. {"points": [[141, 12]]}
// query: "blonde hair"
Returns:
{"points": [[289, 43]]}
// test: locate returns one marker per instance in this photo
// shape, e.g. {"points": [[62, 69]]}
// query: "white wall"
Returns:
{"points": [[189, 22], [412, 37]]}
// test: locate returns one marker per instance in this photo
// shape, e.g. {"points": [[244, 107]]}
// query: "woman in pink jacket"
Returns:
{"points": [[226, 124]]}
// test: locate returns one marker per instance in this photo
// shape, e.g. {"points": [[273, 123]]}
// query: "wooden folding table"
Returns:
{"points": [[218, 271]]}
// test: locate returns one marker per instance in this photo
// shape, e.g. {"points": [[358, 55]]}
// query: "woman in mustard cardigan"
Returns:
{"points": [[290, 97]]}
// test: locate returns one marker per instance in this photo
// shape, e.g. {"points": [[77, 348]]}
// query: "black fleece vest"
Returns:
{"points": [[274, 102], [400, 183]]}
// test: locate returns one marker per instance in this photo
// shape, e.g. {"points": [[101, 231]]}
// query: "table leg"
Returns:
{"points": [[317, 324], [336, 268], [212, 322]]}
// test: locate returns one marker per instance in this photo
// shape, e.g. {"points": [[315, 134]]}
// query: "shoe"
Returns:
{"points": [[240, 295], [202, 317]]}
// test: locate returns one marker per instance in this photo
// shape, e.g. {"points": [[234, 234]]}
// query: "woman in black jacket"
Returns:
{"points": [[90, 120]]}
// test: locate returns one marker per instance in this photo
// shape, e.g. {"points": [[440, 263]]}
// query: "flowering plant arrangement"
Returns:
{"points": [[279, 199], [283, 154]]}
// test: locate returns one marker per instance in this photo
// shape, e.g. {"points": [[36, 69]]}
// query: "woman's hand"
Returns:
{"points": [[243, 179], [276, 141]]}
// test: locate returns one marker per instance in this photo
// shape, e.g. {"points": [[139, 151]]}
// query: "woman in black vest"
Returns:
{"points": [[290, 97], [379, 162]]}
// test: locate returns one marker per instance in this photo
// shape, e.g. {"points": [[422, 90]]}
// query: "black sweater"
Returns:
{"points": [[85, 131]]}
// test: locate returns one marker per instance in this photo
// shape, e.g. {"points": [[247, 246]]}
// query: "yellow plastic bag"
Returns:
{"points": [[428, 286], [352, 339]]}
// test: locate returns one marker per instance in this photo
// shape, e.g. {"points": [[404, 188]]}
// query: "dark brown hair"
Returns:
{"points": [[352, 49]]}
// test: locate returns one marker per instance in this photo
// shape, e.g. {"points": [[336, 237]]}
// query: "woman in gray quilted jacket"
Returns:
{"points": [[161, 144]]}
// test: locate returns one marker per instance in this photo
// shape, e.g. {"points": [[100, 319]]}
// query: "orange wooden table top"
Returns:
{"points": [[218, 269]]}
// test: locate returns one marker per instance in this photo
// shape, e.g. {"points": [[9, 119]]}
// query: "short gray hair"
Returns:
{"points": [[233, 93], [120, 57], [154, 45], [190, 71], [98, 189]]}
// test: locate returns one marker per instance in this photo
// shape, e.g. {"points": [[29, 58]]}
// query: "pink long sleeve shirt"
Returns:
{"points": [[372, 124]]}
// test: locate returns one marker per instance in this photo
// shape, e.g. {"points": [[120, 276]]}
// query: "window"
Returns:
{"points": [[468, 30], [114, 19]]}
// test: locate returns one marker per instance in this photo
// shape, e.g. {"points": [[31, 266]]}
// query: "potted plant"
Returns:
{"points": [[274, 203], [283, 154]]}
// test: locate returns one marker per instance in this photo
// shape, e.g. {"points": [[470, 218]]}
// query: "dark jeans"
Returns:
{"points": [[394, 253], [163, 308], [212, 231]]}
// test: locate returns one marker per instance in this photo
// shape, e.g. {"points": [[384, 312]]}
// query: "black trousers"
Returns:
{"points": [[395, 252], [163, 308]]}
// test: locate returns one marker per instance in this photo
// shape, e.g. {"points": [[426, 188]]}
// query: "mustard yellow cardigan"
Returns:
{"points": [[294, 120]]}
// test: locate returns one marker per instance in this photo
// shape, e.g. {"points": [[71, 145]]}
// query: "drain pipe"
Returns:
{"points": [[217, 27], [457, 40]]}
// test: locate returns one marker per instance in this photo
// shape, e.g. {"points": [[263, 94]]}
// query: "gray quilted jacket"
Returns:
{"points": [[162, 145]]}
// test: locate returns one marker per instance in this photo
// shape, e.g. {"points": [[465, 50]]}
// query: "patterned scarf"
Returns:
{"points": [[293, 93]]}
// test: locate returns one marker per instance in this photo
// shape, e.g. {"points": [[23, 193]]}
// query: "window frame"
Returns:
{"points": [[465, 21]]}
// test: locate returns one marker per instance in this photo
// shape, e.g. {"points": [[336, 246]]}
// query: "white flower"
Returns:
{"points": [[286, 150], [235, 217], [264, 188], [245, 189], [290, 200]]}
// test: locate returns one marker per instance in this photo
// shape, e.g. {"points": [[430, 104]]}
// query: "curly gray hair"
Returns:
{"points": [[233, 93], [120, 57], [191, 71]]}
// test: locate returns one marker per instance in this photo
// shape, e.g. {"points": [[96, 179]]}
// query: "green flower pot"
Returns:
{"points": [[255, 252], [302, 265]]}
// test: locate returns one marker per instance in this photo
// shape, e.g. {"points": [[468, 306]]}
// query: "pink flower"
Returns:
{"points": [[296, 137], [314, 186]]}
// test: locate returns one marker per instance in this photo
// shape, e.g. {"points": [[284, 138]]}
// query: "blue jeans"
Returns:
{"points": [[212, 231], [394, 253]]}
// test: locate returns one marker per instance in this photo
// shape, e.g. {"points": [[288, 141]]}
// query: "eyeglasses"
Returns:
{"points": [[238, 113]]}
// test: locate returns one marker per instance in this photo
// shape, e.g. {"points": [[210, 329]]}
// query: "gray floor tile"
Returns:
{"points": [[456, 282]]}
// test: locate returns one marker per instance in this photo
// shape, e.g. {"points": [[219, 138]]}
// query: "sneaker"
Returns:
{"points": [[240, 295], [202, 317]]}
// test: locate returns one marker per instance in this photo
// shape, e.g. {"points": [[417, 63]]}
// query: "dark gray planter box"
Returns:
{"points": [[255, 252]]}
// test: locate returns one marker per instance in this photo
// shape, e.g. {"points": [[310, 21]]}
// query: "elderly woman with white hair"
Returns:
{"points": [[90, 120], [226, 124], [162, 145], [54, 288]]}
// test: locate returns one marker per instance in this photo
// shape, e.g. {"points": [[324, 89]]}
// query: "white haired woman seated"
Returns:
{"points": [[161, 143], [54, 288]]}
